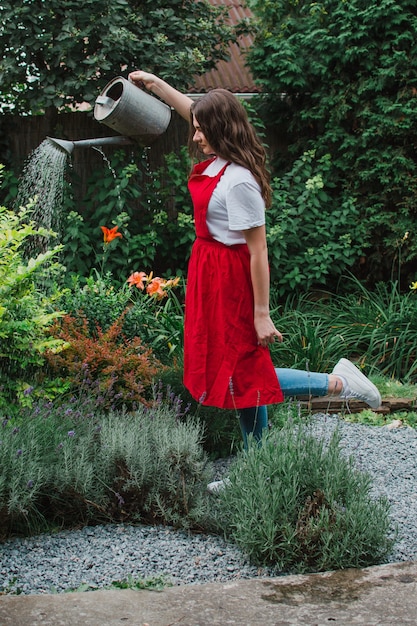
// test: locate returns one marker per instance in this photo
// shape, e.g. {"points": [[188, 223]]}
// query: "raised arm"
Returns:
{"points": [[174, 98]]}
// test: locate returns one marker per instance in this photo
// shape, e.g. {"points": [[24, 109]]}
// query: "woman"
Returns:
{"points": [[228, 328]]}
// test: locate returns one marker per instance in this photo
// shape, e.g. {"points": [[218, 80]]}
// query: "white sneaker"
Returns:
{"points": [[217, 486], [356, 385]]}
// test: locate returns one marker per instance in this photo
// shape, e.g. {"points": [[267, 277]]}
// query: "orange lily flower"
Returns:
{"points": [[110, 233], [156, 287], [137, 279]]}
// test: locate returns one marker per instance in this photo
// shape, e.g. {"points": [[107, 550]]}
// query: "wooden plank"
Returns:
{"points": [[328, 404]]}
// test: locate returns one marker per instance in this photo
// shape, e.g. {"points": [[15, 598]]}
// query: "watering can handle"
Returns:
{"points": [[105, 100]]}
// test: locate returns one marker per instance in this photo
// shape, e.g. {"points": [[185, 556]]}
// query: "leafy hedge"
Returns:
{"points": [[341, 80]]}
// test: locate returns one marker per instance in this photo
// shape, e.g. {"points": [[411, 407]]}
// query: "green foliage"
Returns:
{"points": [[310, 340], [368, 418], [298, 504], [173, 223], [28, 305], [63, 52], [348, 74], [66, 465], [98, 299], [312, 239], [391, 388], [155, 583], [223, 437], [157, 321], [382, 326], [377, 329], [152, 210]]}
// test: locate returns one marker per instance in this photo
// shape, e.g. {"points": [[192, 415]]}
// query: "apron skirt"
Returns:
{"points": [[223, 364]]}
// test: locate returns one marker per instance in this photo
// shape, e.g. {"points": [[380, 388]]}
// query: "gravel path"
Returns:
{"points": [[94, 557]]}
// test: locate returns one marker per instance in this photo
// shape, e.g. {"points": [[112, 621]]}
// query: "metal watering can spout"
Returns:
{"points": [[68, 146]]}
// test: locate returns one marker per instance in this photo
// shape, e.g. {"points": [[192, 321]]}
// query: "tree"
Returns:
{"points": [[60, 52], [348, 72]]}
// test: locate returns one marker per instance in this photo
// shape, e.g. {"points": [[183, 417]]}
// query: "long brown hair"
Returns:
{"points": [[224, 122]]}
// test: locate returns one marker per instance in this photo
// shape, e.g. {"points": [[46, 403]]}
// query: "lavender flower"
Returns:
{"points": [[119, 499]]}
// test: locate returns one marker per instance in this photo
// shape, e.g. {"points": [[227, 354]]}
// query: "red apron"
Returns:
{"points": [[223, 364]]}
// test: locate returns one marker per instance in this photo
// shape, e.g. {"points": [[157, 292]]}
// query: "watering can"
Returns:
{"points": [[135, 114], [131, 111]]}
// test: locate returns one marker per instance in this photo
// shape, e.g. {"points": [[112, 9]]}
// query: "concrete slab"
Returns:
{"points": [[377, 596]]}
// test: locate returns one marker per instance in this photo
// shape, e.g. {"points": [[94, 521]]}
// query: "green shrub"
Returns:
{"points": [[298, 504], [157, 318], [28, 305], [151, 208], [313, 238], [157, 466], [98, 298]]}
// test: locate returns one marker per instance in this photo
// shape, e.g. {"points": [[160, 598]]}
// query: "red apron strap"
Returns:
{"points": [[201, 189]]}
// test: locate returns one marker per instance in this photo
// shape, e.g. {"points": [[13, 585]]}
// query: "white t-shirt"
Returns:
{"points": [[236, 203]]}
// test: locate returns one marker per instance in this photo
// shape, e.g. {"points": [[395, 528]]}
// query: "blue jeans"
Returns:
{"points": [[254, 420]]}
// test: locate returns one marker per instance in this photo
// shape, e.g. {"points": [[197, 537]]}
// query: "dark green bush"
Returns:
{"points": [[152, 210], [341, 80], [312, 238]]}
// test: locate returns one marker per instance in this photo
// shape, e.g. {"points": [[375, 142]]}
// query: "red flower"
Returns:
{"points": [[110, 233]]}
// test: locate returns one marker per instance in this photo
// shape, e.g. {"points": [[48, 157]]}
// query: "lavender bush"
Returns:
{"points": [[70, 464]]}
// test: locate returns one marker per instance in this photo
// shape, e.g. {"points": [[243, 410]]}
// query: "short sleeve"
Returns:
{"points": [[245, 206]]}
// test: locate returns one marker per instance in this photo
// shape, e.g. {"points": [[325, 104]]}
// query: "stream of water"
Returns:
{"points": [[41, 184]]}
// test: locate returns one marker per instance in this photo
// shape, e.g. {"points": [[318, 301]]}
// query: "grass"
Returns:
{"points": [[390, 388], [377, 330], [153, 583]]}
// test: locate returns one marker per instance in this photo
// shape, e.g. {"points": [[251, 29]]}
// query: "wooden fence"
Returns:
{"points": [[20, 135]]}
